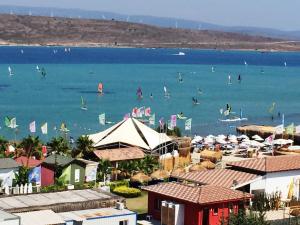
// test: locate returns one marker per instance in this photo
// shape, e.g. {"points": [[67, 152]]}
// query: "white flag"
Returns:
{"points": [[102, 119], [44, 128], [13, 123], [188, 124], [32, 127], [152, 119], [279, 129], [298, 129]]}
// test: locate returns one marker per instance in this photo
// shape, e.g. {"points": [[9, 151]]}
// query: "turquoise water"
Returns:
{"points": [[56, 98]]}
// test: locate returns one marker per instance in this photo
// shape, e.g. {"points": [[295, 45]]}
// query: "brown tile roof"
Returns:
{"points": [[217, 177], [206, 194], [120, 154], [23, 161], [270, 164]]}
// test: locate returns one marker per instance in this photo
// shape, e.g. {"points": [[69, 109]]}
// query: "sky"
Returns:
{"points": [[279, 14]]}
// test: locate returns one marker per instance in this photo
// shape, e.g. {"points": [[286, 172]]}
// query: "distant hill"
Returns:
{"points": [[38, 30], [150, 20]]}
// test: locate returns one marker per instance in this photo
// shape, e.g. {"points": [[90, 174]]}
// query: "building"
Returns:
{"points": [[117, 155], [41, 217], [9, 219], [130, 132], [34, 165], [72, 170], [193, 205], [104, 216], [8, 168], [90, 170], [220, 177]]}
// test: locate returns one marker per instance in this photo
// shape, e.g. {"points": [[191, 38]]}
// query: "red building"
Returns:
{"points": [[201, 205]]}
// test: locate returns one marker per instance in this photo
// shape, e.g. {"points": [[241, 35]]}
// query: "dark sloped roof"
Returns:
{"points": [[60, 160], [206, 194], [6, 163]]}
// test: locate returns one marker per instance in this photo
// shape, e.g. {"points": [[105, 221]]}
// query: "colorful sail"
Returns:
{"points": [[139, 93], [173, 120], [161, 123], [148, 111], [100, 88], [32, 127]]}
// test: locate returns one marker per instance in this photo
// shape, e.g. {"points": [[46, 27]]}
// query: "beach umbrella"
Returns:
{"points": [[221, 141], [208, 140], [160, 175], [256, 136], [259, 139], [282, 141], [196, 167], [254, 143], [211, 136], [221, 136], [243, 137], [140, 178], [208, 164]]}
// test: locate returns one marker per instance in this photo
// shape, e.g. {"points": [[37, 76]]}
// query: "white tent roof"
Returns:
{"points": [[132, 132]]}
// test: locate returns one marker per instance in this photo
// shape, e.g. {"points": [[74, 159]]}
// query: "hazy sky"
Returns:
{"points": [[281, 14]]}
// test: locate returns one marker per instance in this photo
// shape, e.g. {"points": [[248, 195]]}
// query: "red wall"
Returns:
{"points": [[193, 212], [47, 176]]}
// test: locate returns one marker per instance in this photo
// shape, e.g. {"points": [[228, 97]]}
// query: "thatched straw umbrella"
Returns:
{"points": [[160, 175], [178, 171], [213, 156], [208, 165], [140, 178], [196, 167]]}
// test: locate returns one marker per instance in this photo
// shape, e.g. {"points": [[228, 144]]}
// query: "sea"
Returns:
{"points": [[266, 78]]}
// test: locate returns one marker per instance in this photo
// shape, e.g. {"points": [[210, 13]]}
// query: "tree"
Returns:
{"points": [[59, 145], [22, 176], [104, 168], [3, 146], [32, 147], [84, 147], [175, 132], [252, 218], [150, 164]]}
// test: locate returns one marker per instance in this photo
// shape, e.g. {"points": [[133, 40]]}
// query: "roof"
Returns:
{"points": [[88, 162], [120, 154], [55, 200], [8, 163], [269, 164], [4, 216], [42, 217], [206, 194], [82, 215], [23, 161], [60, 160], [218, 177], [132, 132]]}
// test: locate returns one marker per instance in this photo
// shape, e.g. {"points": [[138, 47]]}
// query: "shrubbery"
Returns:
{"points": [[127, 192], [116, 184]]}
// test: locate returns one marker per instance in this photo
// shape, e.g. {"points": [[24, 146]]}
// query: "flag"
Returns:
{"points": [[297, 128], [63, 127], [126, 116], [134, 112], [282, 119], [13, 123], [161, 123], [279, 129], [270, 138], [7, 121], [188, 124], [226, 112], [170, 127], [102, 119], [44, 128], [32, 127], [152, 119], [141, 111], [148, 111], [271, 109], [221, 111], [290, 129], [173, 120]]}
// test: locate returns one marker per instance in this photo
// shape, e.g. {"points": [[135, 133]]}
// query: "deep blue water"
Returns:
{"points": [[56, 98]]}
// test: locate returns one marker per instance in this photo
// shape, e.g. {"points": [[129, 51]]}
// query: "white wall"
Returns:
{"points": [[4, 173], [113, 220], [279, 181], [10, 222]]}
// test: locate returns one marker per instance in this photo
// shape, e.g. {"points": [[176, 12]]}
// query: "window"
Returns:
{"points": [[215, 211], [77, 175], [157, 204], [123, 222]]}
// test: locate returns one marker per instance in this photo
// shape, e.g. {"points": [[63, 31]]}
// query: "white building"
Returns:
{"points": [[277, 174], [8, 168]]}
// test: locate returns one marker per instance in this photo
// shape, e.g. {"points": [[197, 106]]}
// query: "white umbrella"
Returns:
{"points": [[256, 144], [221, 136], [243, 137], [221, 141], [282, 142], [211, 136], [208, 140], [256, 137]]}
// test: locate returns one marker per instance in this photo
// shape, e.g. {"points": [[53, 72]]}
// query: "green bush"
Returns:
{"points": [[52, 188], [115, 184], [127, 192]]}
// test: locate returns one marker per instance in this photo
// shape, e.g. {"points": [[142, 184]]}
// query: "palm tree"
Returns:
{"points": [[59, 145], [3, 146], [150, 164], [84, 147], [32, 147]]}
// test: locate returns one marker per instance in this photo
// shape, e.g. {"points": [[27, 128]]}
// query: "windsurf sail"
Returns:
{"points": [[10, 72], [240, 78], [229, 79], [180, 79], [43, 72], [272, 108], [83, 104], [166, 93], [100, 88], [139, 93], [212, 69], [63, 128]]}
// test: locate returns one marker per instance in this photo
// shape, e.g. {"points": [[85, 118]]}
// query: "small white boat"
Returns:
{"points": [[180, 54], [83, 104], [236, 119]]}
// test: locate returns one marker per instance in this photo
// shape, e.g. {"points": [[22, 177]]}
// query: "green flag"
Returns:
{"points": [[7, 121], [290, 129]]}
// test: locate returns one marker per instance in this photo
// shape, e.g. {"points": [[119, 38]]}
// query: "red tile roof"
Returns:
{"points": [[270, 164], [120, 154], [217, 177], [22, 160], [202, 195]]}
